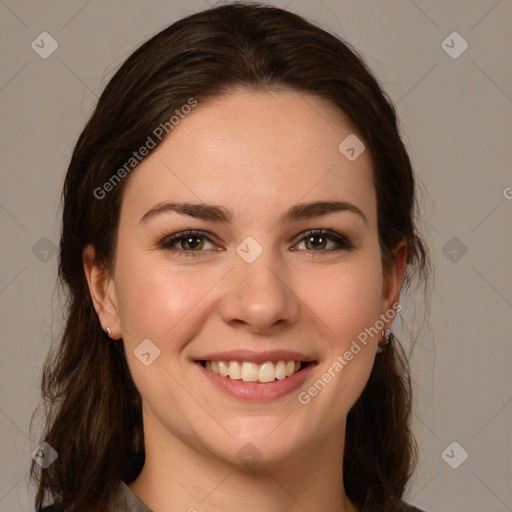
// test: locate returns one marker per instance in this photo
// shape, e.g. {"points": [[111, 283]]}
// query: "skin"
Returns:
{"points": [[255, 154]]}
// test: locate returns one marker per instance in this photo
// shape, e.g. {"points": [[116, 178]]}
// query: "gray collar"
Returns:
{"points": [[128, 502]]}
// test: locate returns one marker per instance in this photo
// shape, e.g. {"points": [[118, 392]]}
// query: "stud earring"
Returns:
{"points": [[386, 336], [108, 331]]}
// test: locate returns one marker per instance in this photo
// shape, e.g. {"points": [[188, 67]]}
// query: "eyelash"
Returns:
{"points": [[343, 242]]}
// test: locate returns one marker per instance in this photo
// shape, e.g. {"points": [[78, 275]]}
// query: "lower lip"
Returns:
{"points": [[254, 391]]}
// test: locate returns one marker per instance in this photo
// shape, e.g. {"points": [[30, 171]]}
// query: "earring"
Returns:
{"points": [[108, 331], [386, 336]]}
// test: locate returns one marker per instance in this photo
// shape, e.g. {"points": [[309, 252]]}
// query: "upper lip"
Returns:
{"points": [[255, 357]]}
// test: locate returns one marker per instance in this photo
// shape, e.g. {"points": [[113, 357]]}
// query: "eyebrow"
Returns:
{"points": [[216, 213]]}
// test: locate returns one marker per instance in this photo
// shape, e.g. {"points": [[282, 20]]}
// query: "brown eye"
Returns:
{"points": [[190, 243], [321, 241]]}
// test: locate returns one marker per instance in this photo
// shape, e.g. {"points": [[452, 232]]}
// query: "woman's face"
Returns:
{"points": [[254, 287]]}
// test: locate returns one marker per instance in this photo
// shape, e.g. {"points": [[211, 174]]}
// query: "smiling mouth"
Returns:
{"points": [[268, 371]]}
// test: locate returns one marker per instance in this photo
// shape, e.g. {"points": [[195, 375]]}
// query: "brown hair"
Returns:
{"points": [[93, 409]]}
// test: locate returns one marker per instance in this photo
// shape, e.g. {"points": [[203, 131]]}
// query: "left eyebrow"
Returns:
{"points": [[216, 213], [318, 208]]}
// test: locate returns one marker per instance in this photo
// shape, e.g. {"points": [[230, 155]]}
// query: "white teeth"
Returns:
{"points": [[249, 372], [252, 372], [266, 372], [223, 368], [280, 370], [235, 371]]}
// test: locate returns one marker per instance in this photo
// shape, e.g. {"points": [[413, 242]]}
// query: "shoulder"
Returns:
{"points": [[125, 501]]}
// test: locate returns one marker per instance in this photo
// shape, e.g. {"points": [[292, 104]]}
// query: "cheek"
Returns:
{"points": [[160, 302], [346, 297], [157, 300]]}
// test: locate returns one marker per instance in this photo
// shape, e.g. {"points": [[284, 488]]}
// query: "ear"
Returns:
{"points": [[101, 288], [394, 276]]}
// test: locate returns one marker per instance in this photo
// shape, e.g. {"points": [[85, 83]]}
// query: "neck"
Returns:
{"points": [[179, 476]]}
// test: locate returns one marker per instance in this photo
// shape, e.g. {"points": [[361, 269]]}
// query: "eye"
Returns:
{"points": [[317, 240], [190, 243]]}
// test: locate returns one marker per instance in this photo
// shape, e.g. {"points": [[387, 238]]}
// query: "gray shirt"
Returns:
{"points": [[128, 502]]}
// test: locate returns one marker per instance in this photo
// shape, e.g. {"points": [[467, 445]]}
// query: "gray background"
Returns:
{"points": [[456, 115]]}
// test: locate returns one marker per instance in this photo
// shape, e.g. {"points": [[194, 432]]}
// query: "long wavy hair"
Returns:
{"points": [[92, 409]]}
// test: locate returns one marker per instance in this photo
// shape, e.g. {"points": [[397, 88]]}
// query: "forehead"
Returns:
{"points": [[253, 151]]}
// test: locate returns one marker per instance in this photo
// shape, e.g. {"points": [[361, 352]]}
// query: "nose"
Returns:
{"points": [[258, 297]]}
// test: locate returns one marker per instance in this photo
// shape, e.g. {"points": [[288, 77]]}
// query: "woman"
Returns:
{"points": [[238, 225]]}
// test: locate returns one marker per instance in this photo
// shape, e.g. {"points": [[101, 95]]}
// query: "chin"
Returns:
{"points": [[258, 450]]}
